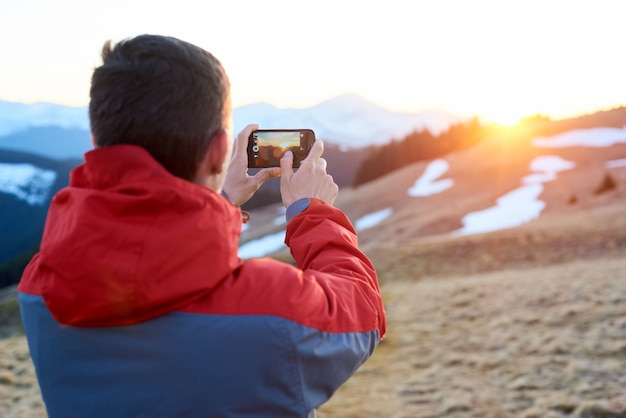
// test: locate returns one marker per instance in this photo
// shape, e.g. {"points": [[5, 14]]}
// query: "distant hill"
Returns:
{"points": [[51, 142], [615, 118], [16, 117]]}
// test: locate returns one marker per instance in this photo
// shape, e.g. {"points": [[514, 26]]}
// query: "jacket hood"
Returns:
{"points": [[127, 241]]}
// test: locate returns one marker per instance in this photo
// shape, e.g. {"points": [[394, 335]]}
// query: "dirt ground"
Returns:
{"points": [[542, 342]]}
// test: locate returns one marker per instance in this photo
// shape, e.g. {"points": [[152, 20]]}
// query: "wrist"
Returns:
{"points": [[301, 205], [297, 207]]}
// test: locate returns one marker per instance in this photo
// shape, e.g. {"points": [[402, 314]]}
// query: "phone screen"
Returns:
{"points": [[267, 147]]}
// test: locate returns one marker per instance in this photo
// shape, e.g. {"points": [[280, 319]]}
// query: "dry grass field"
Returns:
{"points": [[540, 342], [19, 392]]}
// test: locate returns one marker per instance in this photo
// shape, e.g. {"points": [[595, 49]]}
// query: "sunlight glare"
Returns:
{"points": [[506, 120]]}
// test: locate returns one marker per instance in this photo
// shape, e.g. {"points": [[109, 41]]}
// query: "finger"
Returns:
{"points": [[316, 150], [245, 132], [322, 163], [265, 174], [286, 165]]}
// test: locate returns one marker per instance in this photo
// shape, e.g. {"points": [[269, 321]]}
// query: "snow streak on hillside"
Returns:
{"points": [[26, 182], [616, 163], [520, 205], [428, 184], [263, 246], [372, 219], [593, 137]]}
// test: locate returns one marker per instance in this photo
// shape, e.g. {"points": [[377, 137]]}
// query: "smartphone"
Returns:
{"points": [[267, 146]]}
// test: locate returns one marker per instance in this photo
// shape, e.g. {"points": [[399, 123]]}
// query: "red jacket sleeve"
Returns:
{"points": [[323, 240]]}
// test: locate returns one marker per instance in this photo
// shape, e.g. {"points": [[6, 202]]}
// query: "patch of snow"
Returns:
{"points": [[593, 137], [263, 246], [280, 219], [428, 184], [519, 206], [616, 163], [514, 208], [539, 178], [372, 219], [27, 182], [550, 164]]}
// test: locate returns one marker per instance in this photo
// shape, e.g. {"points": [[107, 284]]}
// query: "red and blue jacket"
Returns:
{"points": [[137, 304]]}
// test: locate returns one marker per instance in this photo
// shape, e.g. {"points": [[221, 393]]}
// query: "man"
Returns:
{"points": [[137, 304]]}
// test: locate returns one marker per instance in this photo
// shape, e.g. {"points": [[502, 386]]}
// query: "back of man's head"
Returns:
{"points": [[163, 94]]}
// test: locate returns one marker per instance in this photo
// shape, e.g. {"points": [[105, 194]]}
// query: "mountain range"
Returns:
{"points": [[348, 121]]}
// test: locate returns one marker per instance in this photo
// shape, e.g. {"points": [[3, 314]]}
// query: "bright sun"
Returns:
{"points": [[504, 117], [503, 102]]}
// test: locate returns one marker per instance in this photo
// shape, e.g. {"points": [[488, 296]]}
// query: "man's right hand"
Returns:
{"points": [[310, 180]]}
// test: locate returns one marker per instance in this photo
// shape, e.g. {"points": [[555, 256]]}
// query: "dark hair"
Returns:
{"points": [[163, 94]]}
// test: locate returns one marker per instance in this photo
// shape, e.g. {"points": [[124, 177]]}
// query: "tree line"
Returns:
{"points": [[419, 145]]}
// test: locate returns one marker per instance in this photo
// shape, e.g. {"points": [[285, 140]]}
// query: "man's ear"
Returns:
{"points": [[216, 153]]}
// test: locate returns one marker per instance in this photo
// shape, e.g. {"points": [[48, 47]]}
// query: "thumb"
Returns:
{"points": [[286, 165], [265, 174]]}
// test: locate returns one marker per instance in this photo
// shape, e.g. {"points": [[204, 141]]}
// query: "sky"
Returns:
{"points": [[498, 59]]}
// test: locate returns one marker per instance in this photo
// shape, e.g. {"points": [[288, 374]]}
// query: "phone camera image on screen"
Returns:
{"points": [[267, 147]]}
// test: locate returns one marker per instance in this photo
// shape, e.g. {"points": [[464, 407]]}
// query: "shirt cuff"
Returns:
{"points": [[297, 207]]}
